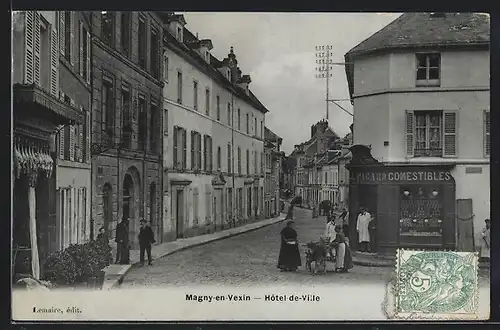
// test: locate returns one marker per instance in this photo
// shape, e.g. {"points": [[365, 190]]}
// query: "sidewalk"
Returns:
{"points": [[114, 273]]}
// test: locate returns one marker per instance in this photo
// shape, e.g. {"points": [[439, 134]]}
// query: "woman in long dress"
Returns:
{"points": [[343, 261], [289, 257], [289, 214], [485, 241]]}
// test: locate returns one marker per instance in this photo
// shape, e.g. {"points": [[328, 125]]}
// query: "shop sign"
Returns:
{"points": [[403, 176]]}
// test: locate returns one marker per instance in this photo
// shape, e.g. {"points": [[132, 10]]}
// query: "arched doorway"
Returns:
{"points": [[153, 207], [107, 202], [132, 208], [128, 193]]}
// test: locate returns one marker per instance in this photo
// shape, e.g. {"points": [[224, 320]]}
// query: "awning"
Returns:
{"points": [[35, 98], [30, 159]]}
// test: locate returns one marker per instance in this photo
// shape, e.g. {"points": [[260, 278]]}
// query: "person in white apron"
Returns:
{"points": [[485, 241], [330, 233], [362, 227]]}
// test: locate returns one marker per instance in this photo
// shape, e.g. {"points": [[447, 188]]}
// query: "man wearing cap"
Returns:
{"points": [[146, 238]]}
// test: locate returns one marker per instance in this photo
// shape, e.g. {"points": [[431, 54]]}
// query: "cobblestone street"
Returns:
{"points": [[249, 258]]}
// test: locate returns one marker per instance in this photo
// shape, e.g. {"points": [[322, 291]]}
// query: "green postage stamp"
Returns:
{"points": [[436, 285]]}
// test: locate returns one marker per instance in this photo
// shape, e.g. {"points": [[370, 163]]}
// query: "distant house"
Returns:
{"points": [[420, 160], [273, 169]]}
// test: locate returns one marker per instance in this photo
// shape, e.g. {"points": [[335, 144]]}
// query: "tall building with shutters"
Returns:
{"points": [[39, 113], [420, 160], [73, 170], [213, 138], [126, 148]]}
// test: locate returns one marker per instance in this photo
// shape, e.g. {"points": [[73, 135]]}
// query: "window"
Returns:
{"points": [[229, 158], [68, 35], [195, 206], [326, 177], [255, 127], [428, 69], [428, 134], [153, 128], [219, 159], [127, 120], [141, 138], [141, 39], [154, 54], [431, 133], [84, 53], [207, 102], [179, 33], [487, 147], [195, 151], [239, 160], [44, 55], [248, 124], [165, 122], [255, 162], [261, 129], [125, 32], [248, 161], [180, 143], [195, 95], [207, 153], [229, 114], [218, 107], [262, 163], [239, 119], [165, 68], [107, 23], [107, 106], [179, 87]]}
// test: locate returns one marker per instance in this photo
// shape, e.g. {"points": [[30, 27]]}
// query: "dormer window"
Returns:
{"points": [[207, 56], [179, 33]]}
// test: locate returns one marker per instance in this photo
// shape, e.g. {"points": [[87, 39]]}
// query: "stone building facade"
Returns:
{"points": [[213, 138], [127, 117], [38, 114], [273, 170]]}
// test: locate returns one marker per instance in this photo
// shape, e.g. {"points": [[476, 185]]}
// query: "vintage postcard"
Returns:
{"points": [[250, 166]]}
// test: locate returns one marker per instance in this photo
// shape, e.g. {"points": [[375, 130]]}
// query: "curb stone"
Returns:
{"points": [[113, 281]]}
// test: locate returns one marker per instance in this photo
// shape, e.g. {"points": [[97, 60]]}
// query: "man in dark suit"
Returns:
{"points": [[122, 242], [146, 238]]}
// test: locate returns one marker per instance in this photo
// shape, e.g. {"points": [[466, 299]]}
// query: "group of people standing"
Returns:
{"points": [[289, 257], [145, 237]]}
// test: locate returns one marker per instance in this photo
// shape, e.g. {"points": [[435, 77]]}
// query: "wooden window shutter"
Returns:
{"points": [[36, 45], [62, 35], [184, 147], [450, 119], [80, 140], [487, 143], [72, 143], [198, 150], [193, 157], [54, 62], [175, 150], [205, 152], [88, 58], [210, 156], [72, 58], [29, 22], [88, 137], [410, 133], [80, 48], [61, 142]]}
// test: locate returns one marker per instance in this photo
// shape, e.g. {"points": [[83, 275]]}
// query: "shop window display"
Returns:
{"points": [[421, 211]]}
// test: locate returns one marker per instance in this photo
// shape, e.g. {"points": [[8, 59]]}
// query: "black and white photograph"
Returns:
{"points": [[250, 166]]}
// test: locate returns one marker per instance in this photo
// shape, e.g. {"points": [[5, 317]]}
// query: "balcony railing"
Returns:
{"points": [[428, 152]]}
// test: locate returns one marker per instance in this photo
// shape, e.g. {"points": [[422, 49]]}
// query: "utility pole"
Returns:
{"points": [[323, 67]]}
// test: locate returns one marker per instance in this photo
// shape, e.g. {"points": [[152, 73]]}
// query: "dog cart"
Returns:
{"points": [[318, 254]]}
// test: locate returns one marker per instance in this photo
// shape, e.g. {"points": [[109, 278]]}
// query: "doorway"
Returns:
{"points": [[128, 194], [217, 209], [179, 214]]}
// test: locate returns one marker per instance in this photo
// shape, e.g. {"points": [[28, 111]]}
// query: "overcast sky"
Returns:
{"points": [[278, 51]]}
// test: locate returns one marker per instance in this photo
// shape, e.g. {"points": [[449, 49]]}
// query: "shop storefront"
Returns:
{"points": [[412, 206]]}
